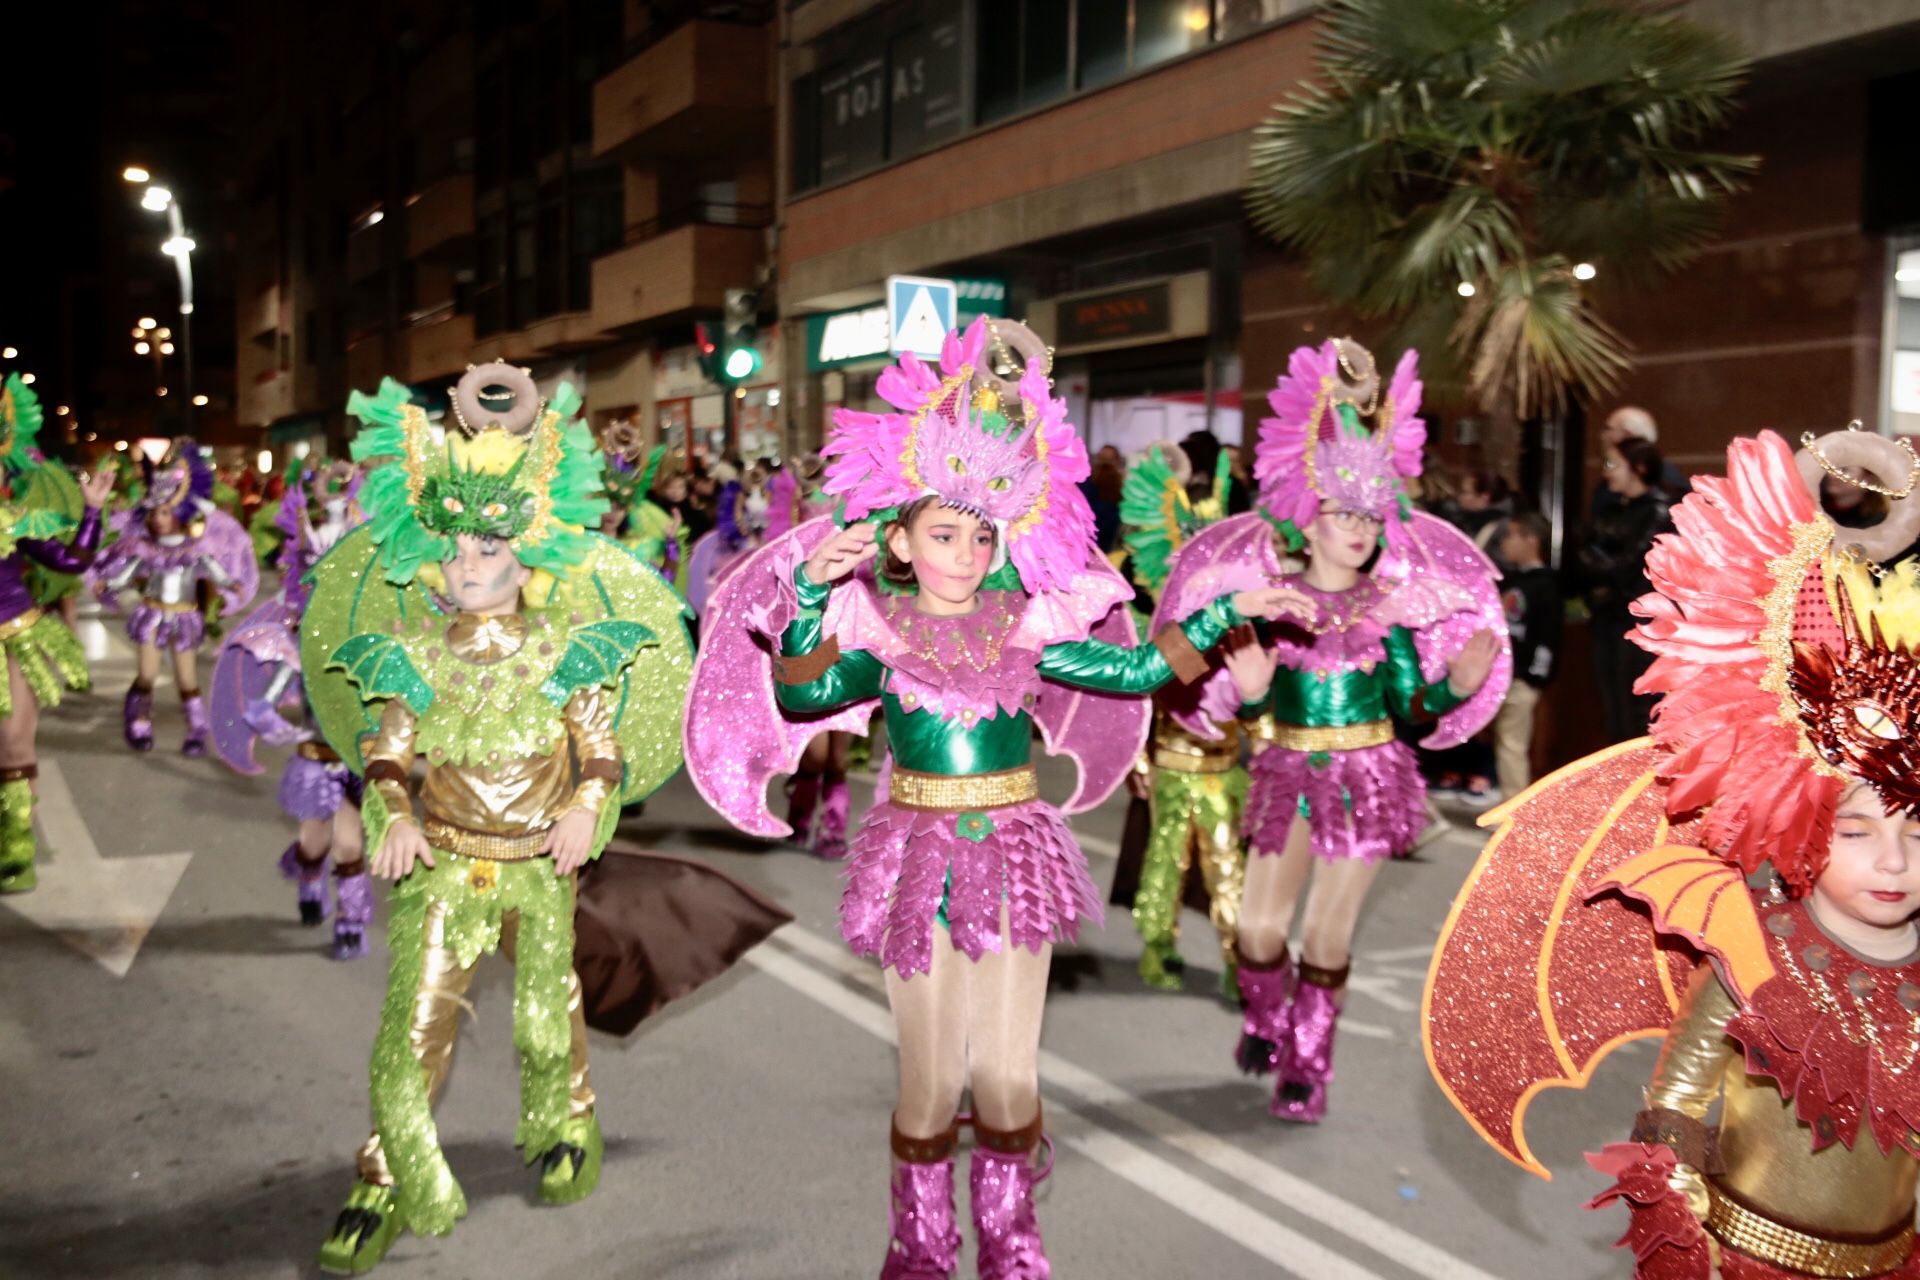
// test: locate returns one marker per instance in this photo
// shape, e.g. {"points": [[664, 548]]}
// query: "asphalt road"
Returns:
{"points": [[183, 1080]]}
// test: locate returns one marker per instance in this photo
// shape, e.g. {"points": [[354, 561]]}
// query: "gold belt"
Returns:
{"points": [[19, 622], [316, 751], [1342, 737], [164, 607], [1739, 1227], [484, 845], [1188, 762], [963, 793]]}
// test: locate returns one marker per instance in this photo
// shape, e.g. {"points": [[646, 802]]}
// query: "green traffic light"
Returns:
{"points": [[742, 362]]}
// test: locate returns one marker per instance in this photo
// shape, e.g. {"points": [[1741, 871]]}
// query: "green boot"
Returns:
{"points": [[16, 831], [1161, 966], [570, 1168], [363, 1232]]}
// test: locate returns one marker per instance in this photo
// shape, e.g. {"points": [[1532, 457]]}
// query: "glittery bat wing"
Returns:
{"points": [[1449, 591], [737, 737], [228, 542], [703, 565], [119, 541], [1535, 979], [268, 638], [1236, 554], [350, 598], [613, 585], [1102, 733]]}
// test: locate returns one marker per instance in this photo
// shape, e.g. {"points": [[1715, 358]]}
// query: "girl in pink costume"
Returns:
{"points": [[992, 593], [1403, 621]]}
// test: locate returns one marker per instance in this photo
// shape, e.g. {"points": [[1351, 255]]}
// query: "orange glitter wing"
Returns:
{"points": [[1533, 981]]}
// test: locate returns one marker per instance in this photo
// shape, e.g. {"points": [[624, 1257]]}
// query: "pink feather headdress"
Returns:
{"points": [[948, 439], [1306, 455]]}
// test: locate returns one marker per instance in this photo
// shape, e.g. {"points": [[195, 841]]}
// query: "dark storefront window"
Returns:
{"points": [[1102, 43]]}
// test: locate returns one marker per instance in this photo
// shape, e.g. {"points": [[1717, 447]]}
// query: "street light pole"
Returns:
{"points": [[179, 247]]}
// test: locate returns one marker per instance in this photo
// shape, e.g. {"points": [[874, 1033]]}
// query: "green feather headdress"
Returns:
{"points": [[538, 492], [20, 423]]}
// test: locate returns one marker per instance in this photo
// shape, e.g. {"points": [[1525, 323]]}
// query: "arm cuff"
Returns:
{"points": [[1691, 1141], [805, 668], [1186, 662]]}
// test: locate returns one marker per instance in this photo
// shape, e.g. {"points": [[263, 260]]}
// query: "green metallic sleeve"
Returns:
{"points": [[1411, 697], [1095, 664], [856, 674]]}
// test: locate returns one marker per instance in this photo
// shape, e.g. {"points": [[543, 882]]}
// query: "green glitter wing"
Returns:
{"points": [[596, 654], [380, 666], [350, 597], [1157, 516], [42, 524], [654, 457], [20, 422], [649, 699]]}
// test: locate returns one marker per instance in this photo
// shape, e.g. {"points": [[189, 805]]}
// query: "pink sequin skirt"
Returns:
{"points": [[1022, 855], [1358, 804]]}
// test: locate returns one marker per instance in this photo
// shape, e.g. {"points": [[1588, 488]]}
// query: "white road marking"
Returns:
{"points": [[101, 907], [1298, 1195], [1285, 1248]]}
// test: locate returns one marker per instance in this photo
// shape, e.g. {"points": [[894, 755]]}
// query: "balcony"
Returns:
{"points": [[699, 91], [265, 398], [260, 315], [440, 348], [675, 266], [440, 216]]}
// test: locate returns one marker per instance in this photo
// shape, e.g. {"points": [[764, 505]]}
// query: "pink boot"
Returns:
{"points": [[353, 895], [923, 1242], [137, 715], [830, 832], [1002, 1181], [1266, 1034], [311, 877], [194, 707], [803, 793], [1301, 1095]]}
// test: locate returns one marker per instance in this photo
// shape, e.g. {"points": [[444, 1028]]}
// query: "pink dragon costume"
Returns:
{"points": [[960, 866], [1378, 650], [258, 672], [171, 544]]}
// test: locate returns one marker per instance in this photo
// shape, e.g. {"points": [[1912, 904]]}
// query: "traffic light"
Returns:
{"points": [[738, 359]]}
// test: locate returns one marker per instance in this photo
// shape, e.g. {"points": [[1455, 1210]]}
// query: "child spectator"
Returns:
{"points": [[1531, 594]]}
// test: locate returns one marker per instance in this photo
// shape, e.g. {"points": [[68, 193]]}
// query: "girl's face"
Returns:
{"points": [[1873, 870], [483, 575], [1343, 538], [675, 490], [161, 520], [950, 551]]}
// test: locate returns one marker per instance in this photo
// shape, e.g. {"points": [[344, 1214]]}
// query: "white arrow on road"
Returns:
{"points": [[101, 907]]}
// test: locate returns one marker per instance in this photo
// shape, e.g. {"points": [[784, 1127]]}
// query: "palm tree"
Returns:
{"points": [[1465, 167]]}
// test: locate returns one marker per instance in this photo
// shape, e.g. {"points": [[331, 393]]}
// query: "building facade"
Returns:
{"points": [[567, 185]]}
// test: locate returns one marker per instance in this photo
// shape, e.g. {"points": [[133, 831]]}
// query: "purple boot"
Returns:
{"points": [[137, 714], [353, 905], [195, 709], [1301, 1095], [830, 832], [1001, 1182], [1266, 1034], [803, 793], [923, 1241], [311, 879]]}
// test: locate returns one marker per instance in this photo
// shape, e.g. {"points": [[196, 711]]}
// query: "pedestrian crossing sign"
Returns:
{"points": [[920, 312]]}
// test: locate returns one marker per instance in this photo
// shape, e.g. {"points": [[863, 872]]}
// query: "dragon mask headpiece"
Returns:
{"points": [[1789, 663], [182, 482], [20, 422], [1335, 437], [984, 433], [529, 475]]}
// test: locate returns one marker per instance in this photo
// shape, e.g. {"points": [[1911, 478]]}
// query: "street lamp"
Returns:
{"points": [[178, 246]]}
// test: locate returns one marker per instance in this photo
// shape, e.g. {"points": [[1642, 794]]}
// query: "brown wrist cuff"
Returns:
{"points": [[1691, 1141], [386, 771], [604, 769], [1010, 1142], [805, 668], [1187, 663]]}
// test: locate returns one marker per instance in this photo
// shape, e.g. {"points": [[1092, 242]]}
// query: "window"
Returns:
{"points": [[1101, 49], [997, 87], [1043, 54], [1165, 29]]}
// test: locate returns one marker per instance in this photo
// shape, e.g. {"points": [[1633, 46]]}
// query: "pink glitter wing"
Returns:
{"points": [[228, 542], [124, 539], [1237, 554], [703, 564], [241, 673], [783, 500], [1102, 733], [1454, 589], [1406, 430], [737, 738]]}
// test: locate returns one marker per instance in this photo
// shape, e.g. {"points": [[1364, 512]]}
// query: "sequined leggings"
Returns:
{"points": [[1193, 814], [436, 1025]]}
